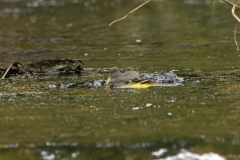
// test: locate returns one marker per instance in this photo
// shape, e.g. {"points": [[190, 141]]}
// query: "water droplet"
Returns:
{"points": [[202, 136], [75, 154], [148, 105], [135, 108], [87, 4], [69, 25], [159, 153]]}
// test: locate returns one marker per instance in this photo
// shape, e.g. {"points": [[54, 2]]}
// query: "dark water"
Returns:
{"points": [[40, 117]]}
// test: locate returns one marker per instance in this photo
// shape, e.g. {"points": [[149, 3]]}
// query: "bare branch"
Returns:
{"points": [[13, 64], [129, 12], [237, 18], [234, 8], [233, 12], [230, 3]]}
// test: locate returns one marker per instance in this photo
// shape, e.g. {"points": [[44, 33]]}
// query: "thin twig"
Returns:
{"points": [[235, 38], [130, 12], [13, 64], [7, 71]]}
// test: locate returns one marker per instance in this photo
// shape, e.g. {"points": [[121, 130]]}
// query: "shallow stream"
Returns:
{"points": [[54, 117]]}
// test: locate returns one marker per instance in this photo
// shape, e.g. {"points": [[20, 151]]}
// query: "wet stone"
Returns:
{"points": [[45, 67], [58, 66]]}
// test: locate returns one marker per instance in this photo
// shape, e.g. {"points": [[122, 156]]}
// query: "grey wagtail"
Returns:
{"points": [[128, 79]]}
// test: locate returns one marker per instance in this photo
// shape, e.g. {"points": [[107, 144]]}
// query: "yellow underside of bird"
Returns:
{"points": [[137, 85]]}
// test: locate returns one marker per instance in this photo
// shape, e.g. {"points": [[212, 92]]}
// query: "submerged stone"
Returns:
{"points": [[55, 66]]}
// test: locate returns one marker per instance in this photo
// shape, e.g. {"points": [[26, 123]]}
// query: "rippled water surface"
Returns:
{"points": [[54, 117]]}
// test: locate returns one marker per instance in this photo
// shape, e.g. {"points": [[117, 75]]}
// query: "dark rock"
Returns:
{"points": [[46, 67]]}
